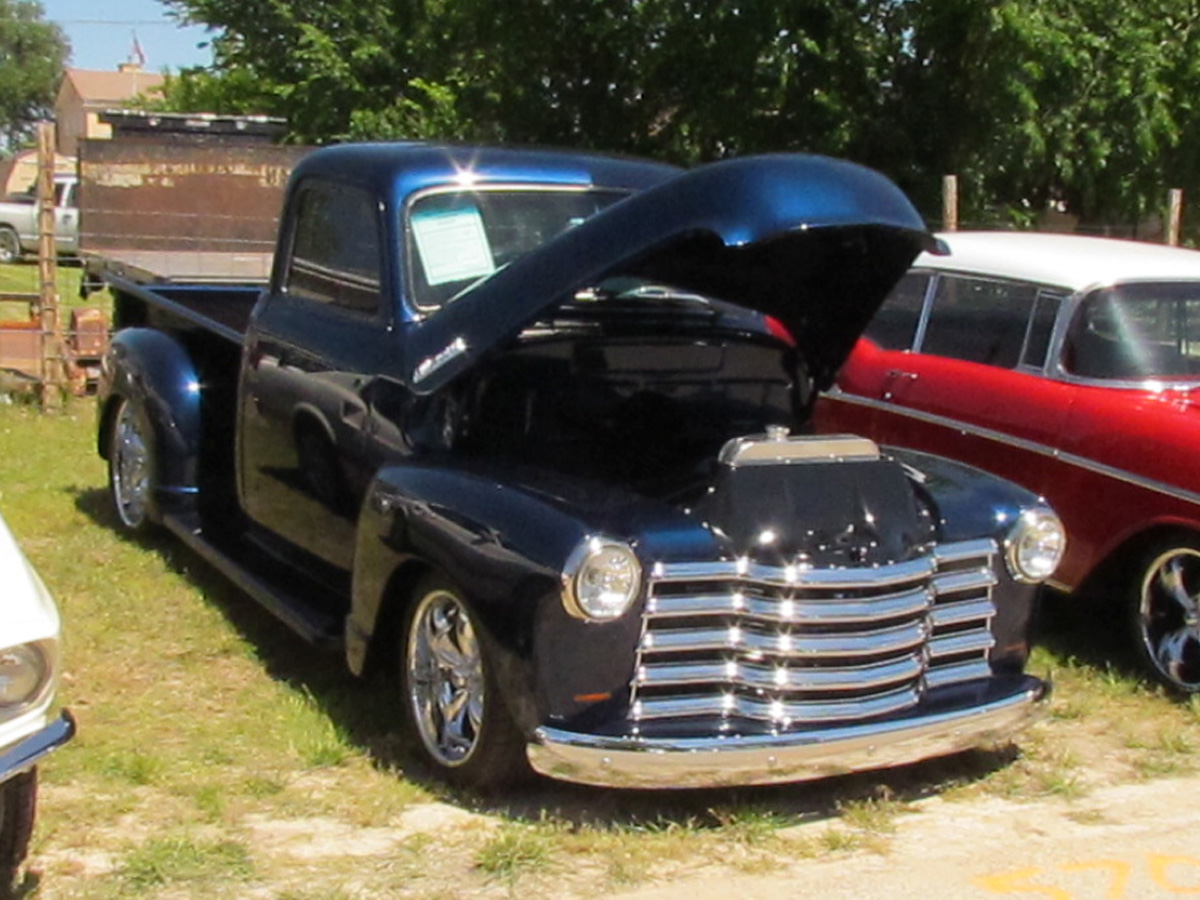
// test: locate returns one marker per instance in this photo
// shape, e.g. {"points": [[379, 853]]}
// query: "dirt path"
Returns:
{"points": [[1132, 842]]}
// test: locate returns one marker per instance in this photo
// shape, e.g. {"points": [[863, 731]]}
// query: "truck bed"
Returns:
{"points": [[174, 291]]}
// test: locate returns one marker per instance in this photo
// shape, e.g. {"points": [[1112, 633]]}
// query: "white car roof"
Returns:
{"points": [[1070, 261]]}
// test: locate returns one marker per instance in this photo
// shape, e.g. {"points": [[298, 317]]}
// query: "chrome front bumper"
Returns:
{"points": [[771, 759], [24, 754]]}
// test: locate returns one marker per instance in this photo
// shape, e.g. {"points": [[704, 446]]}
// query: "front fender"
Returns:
{"points": [[150, 368], [506, 548], [969, 502]]}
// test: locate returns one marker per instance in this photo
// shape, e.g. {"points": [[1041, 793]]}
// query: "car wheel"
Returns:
{"points": [[10, 245], [451, 698], [1165, 604], [18, 805], [131, 466]]}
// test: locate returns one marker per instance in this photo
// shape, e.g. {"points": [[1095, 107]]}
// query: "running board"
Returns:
{"points": [[319, 627]]}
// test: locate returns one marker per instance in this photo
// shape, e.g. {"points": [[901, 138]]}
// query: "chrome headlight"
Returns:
{"points": [[601, 579], [1035, 545], [25, 670]]}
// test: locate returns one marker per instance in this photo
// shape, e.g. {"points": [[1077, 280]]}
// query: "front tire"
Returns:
{"points": [[18, 807], [451, 699], [131, 467], [1164, 600], [10, 245]]}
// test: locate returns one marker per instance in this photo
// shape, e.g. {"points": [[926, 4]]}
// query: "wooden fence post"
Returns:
{"points": [[1174, 216], [52, 368], [950, 203]]}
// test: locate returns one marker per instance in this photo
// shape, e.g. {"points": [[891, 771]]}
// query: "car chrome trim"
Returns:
{"points": [[957, 613], [635, 761], [999, 437], [798, 646], [807, 611], [961, 642], [748, 572], [791, 646], [808, 711], [776, 447], [840, 678], [967, 671], [25, 754]]}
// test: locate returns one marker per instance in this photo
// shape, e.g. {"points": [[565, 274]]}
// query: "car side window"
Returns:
{"points": [[894, 326], [1041, 326], [1136, 331], [335, 248], [979, 320]]}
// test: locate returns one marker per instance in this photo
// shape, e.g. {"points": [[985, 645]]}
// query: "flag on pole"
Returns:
{"points": [[137, 55]]}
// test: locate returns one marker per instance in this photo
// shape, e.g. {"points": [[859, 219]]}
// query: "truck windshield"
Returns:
{"points": [[1137, 331], [457, 237]]}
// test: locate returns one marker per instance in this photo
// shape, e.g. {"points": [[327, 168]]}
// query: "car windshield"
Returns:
{"points": [[455, 238], [1135, 332]]}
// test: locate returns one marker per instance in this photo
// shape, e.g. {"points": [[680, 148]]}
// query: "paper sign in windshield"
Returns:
{"points": [[453, 245]]}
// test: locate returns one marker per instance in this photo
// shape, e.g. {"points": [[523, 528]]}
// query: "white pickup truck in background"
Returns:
{"points": [[19, 221]]}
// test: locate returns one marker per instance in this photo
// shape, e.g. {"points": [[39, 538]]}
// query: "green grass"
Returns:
{"points": [[219, 756], [515, 851], [166, 862]]}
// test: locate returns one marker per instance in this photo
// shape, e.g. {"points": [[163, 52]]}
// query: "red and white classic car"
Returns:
{"points": [[1070, 365]]}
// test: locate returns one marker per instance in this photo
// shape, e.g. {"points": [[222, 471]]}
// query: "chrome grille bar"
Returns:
{"points": [[772, 609], [781, 711], [787, 645], [781, 677], [746, 572]]}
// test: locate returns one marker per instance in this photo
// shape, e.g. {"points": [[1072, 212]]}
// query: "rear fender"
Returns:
{"points": [[153, 370]]}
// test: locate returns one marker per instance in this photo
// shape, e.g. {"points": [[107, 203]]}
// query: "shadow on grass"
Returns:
{"points": [[368, 713], [1088, 630]]}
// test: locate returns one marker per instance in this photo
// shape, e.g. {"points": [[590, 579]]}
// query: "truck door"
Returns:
{"points": [[316, 342]]}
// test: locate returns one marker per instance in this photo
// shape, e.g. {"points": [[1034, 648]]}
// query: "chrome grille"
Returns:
{"points": [[784, 647]]}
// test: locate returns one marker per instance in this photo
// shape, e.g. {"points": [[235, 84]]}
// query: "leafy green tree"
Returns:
{"points": [[32, 53], [1088, 106]]}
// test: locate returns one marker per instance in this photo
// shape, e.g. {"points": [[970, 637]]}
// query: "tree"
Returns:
{"points": [[1083, 105], [32, 54]]}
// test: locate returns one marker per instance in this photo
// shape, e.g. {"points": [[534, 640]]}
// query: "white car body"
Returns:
{"points": [[29, 725]]}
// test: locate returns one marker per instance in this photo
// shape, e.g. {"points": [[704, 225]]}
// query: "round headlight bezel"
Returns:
{"points": [[26, 671], [1035, 545], [601, 580]]}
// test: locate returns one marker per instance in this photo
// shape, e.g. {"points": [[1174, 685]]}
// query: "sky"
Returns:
{"points": [[102, 34]]}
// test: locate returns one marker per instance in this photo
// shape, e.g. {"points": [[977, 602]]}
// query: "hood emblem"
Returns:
{"points": [[443, 357]]}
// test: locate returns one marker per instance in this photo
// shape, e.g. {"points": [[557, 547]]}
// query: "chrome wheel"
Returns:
{"points": [[129, 467], [445, 678], [1167, 619]]}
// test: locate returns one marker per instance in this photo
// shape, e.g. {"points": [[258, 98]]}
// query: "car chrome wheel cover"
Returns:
{"points": [[130, 461], [1169, 616], [445, 678]]}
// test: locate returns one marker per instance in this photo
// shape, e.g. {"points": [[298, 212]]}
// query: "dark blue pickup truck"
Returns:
{"points": [[531, 430]]}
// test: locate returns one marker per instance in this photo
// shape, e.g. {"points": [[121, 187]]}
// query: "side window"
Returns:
{"points": [[335, 248], [1041, 325], [895, 324], [1136, 331], [979, 320]]}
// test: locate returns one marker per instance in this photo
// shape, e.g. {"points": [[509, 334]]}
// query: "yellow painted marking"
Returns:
{"points": [[1159, 864], [1121, 872]]}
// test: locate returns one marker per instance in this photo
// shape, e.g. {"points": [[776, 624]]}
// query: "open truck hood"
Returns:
{"points": [[814, 242]]}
